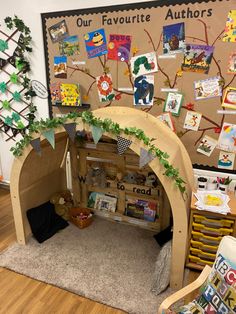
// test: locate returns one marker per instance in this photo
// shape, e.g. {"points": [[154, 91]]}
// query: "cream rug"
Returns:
{"points": [[108, 262]]}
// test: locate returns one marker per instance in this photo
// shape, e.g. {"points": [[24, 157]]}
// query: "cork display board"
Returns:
{"points": [[175, 61]]}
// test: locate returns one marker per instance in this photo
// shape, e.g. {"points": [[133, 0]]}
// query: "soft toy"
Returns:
{"points": [[151, 180], [96, 176], [131, 177], [62, 202]]}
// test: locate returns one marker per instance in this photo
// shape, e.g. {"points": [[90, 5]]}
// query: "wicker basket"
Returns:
{"points": [[75, 217]]}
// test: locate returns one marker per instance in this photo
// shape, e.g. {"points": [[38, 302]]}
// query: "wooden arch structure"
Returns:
{"points": [[35, 178]]}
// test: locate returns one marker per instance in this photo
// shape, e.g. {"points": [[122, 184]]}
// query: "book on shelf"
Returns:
{"points": [[141, 209], [105, 202], [65, 94]]}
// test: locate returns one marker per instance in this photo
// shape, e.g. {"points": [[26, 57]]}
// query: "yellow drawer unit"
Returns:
{"points": [[202, 254], [210, 240], [210, 221], [211, 231], [199, 261], [203, 246]]}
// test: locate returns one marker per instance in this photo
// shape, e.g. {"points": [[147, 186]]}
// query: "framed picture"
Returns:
{"points": [[229, 100], [105, 202], [173, 103], [207, 88], [58, 31], [232, 64], [192, 120]]}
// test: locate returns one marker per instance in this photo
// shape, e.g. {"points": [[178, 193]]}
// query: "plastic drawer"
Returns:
{"points": [[211, 231], [204, 246], [213, 221], [199, 261], [210, 240], [202, 254]]}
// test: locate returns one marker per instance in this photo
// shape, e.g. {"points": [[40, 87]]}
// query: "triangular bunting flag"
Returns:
{"points": [[15, 131], [6, 128], [96, 133], [36, 145], [145, 157], [122, 144], [49, 135], [71, 130]]}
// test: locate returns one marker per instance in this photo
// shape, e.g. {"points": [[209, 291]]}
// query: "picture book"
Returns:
{"points": [[208, 88], [58, 31], [55, 91], [69, 46], [105, 87], [141, 209], [144, 64], [166, 118], [119, 47], [105, 202], [173, 38], [95, 43], [226, 160], [227, 138], [192, 120], [197, 58], [70, 95], [207, 145], [60, 67], [232, 64], [230, 27], [144, 90], [173, 103], [229, 100]]}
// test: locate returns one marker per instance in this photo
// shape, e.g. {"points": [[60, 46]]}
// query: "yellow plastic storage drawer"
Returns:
{"points": [[213, 221], [199, 261], [202, 254], [212, 231], [203, 246], [210, 240]]}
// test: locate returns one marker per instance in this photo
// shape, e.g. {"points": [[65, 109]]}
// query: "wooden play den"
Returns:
{"points": [[35, 178]]}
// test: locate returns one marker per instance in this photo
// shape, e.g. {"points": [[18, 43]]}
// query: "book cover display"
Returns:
{"points": [[141, 209], [229, 100], [188, 50], [70, 95]]}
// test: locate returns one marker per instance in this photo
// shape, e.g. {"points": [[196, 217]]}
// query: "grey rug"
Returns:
{"points": [[108, 262]]}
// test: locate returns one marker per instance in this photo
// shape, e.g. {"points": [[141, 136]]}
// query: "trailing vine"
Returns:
{"points": [[107, 125]]}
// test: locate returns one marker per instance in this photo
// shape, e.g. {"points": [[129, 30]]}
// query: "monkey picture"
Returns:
{"points": [[144, 90]]}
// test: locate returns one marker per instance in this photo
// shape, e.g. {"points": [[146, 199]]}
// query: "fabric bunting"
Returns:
{"points": [[71, 130], [145, 157], [122, 144], [96, 133], [36, 145], [49, 135]]}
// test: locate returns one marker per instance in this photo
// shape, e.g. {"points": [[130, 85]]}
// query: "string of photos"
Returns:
{"points": [[17, 111]]}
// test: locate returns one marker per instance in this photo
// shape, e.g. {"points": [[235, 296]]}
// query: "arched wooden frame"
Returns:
{"points": [[35, 178]]}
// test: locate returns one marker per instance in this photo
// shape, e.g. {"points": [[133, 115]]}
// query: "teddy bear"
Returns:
{"points": [[151, 180], [96, 176], [62, 202]]}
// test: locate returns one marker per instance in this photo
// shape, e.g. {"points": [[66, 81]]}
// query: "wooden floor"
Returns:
{"points": [[20, 294]]}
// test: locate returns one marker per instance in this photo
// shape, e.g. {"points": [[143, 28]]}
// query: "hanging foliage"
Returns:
{"points": [[107, 125]]}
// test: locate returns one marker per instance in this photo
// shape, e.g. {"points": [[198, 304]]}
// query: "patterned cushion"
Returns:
{"points": [[218, 295]]}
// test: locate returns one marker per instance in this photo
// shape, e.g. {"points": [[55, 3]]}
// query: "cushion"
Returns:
{"points": [[44, 222], [218, 295], [161, 275]]}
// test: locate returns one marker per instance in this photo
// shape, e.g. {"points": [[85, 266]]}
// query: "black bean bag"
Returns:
{"points": [[44, 222]]}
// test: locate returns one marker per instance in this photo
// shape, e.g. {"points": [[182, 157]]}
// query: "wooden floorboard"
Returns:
{"points": [[22, 295]]}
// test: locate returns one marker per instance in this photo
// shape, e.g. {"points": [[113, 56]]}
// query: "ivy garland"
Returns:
{"points": [[106, 125], [22, 65]]}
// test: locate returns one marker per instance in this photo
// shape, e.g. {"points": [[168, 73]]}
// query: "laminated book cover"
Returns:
{"points": [[230, 27], [70, 95], [55, 91], [119, 47], [229, 100]]}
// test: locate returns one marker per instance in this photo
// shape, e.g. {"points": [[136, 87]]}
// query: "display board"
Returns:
{"points": [[175, 61]]}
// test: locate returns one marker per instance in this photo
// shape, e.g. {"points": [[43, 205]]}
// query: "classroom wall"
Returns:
{"points": [[29, 11]]}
